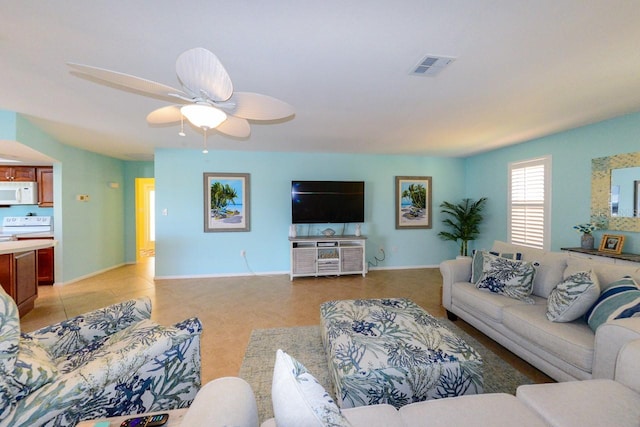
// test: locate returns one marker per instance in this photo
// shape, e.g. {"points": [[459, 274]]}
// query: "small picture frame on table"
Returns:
{"points": [[612, 243]]}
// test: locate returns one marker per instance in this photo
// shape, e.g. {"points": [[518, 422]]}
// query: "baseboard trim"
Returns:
{"points": [[205, 276], [86, 276], [277, 273], [407, 267]]}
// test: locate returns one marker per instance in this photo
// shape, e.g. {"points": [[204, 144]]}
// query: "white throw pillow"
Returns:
{"points": [[299, 399], [573, 297]]}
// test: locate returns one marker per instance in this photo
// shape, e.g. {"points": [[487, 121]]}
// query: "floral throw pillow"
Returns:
{"points": [[507, 277], [478, 261], [573, 297], [9, 343], [299, 399]]}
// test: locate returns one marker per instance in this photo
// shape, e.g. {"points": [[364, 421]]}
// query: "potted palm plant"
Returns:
{"points": [[464, 221]]}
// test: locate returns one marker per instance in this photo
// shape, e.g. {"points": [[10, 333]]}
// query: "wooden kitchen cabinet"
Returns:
{"points": [[19, 276], [46, 272], [45, 266], [17, 173], [45, 187]]}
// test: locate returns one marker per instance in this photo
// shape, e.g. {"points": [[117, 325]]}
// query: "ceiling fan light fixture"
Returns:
{"points": [[203, 116]]}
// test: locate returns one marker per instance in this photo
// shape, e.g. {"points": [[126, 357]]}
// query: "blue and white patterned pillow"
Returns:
{"points": [[619, 301], [573, 297], [299, 399], [9, 343], [478, 261], [510, 278], [34, 367]]}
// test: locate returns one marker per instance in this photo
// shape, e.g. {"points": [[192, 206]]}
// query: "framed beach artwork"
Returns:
{"points": [[612, 243], [413, 202], [226, 202]]}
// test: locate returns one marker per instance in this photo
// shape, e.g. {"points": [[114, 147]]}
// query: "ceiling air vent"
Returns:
{"points": [[431, 65]]}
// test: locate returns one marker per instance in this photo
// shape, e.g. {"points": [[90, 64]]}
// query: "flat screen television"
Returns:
{"points": [[316, 202]]}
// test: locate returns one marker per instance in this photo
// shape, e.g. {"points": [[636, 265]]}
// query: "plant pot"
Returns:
{"points": [[586, 241]]}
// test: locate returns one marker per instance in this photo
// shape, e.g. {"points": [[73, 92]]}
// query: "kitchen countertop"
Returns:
{"points": [[25, 245]]}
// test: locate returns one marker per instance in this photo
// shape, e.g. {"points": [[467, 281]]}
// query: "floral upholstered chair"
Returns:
{"points": [[109, 362]]}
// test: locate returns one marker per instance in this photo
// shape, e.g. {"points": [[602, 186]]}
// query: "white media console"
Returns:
{"points": [[327, 256]]}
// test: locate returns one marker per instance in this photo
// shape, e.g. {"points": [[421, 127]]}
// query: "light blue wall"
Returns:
{"points": [[90, 234], [8, 125], [184, 249], [571, 151], [100, 234], [24, 210]]}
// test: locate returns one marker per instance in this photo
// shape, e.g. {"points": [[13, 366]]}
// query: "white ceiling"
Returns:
{"points": [[523, 69]]}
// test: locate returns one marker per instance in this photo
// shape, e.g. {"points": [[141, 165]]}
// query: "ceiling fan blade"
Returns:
{"points": [[169, 114], [126, 80], [202, 74], [235, 126], [255, 106]]}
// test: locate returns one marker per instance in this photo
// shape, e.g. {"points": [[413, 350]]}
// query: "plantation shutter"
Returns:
{"points": [[529, 202]]}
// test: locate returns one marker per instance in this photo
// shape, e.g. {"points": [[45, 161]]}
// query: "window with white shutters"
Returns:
{"points": [[530, 202]]}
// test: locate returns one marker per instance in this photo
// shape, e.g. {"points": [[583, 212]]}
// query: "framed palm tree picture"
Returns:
{"points": [[226, 202], [413, 202]]}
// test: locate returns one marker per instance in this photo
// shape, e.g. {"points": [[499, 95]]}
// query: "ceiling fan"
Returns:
{"points": [[206, 99]]}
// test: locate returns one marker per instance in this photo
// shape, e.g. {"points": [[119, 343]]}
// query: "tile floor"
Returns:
{"points": [[231, 307]]}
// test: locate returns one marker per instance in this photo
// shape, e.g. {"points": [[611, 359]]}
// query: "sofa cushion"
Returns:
{"points": [[131, 344], [494, 409], [607, 273], [583, 403], [374, 415], [573, 297], [299, 399], [507, 277], [34, 368], [73, 334], [619, 301], [481, 303], [549, 265], [478, 261], [572, 342], [227, 401]]}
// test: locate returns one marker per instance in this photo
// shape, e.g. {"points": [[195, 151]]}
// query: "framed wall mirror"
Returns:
{"points": [[615, 188]]}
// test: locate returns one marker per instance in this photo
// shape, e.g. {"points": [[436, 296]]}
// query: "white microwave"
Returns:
{"points": [[18, 193]]}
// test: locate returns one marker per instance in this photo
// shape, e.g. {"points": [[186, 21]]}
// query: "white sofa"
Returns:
{"points": [[597, 403], [564, 351]]}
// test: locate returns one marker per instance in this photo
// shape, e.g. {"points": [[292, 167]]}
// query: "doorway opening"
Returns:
{"points": [[145, 219]]}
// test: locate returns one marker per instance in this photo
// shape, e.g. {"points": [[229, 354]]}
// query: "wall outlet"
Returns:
{"points": [[243, 253], [82, 197]]}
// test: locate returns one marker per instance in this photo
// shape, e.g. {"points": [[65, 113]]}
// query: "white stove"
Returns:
{"points": [[12, 225]]}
